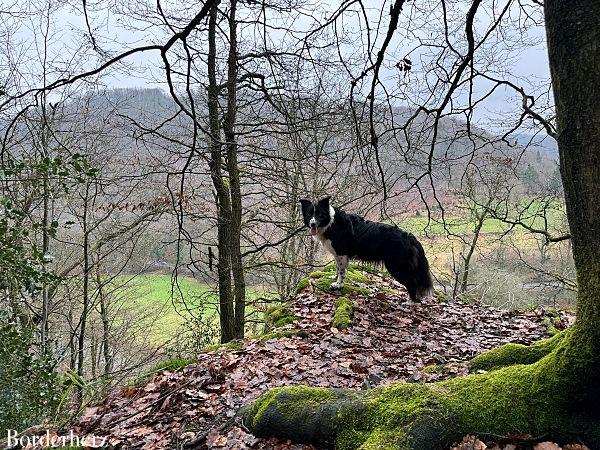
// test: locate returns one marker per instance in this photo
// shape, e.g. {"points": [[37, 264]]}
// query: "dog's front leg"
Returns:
{"points": [[341, 266]]}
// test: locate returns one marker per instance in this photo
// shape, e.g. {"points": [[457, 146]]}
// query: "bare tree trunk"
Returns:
{"points": [[227, 314], [105, 343], [72, 349], [45, 253], [573, 33], [472, 246], [85, 294], [93, 354], [235, 229]]}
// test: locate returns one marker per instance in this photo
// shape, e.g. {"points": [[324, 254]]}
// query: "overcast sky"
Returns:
{"points": [[117, 32]]}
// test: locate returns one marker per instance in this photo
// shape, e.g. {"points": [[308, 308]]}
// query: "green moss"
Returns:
{"points": [[323, 282], [342, 318], [390, 290], [324, 278], [279, 316], [285, 321], [510, 354], [276, 335], [552, 331], [231, 345], [551, 321], [358, 277], [440, 296], [170, 365], [302, 284], [371, 270], [431, 368], [426, 416], [297, 399], [466, 298], [381, 439]]}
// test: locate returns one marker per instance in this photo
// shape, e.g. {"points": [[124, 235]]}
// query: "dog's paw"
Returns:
{"points": [[332, 277], [336, 286]]}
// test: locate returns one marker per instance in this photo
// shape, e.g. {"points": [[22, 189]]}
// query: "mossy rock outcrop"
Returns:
{"points": [[322, 280]]}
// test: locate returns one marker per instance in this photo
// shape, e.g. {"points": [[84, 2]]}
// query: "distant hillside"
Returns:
{"points": [[540, 143], [455, 142]]}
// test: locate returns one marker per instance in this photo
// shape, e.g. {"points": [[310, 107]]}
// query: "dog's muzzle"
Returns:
{"points": [[313, 226]]}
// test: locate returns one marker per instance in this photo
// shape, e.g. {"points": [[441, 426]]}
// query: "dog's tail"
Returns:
{"points": [[423, 276]]}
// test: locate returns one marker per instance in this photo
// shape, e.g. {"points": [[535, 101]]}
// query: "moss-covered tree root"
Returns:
{"points": [[511, 354], [555, 397]]}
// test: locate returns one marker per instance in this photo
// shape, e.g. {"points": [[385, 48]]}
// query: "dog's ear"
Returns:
{"points": [[304, 203], [324, 201]]}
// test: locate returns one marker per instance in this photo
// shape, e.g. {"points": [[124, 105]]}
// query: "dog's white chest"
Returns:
{"points": [[326, 244]]}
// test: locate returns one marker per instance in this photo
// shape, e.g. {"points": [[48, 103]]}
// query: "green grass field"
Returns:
{"points": [[166, 308], [163, 307], [463, 225]]}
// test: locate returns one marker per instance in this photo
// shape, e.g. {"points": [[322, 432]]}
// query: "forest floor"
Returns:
{"points": [[390, 340]]}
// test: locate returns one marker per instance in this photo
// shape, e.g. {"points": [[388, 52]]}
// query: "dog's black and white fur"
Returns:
{"points": [[348, 236]]}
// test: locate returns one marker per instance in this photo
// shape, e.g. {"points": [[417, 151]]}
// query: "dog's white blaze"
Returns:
{"points": [[319, 236]]}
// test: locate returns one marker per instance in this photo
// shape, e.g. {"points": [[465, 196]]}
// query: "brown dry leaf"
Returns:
{"points": [[130, 391], [220, 441], [547, 446], [470, 443]]}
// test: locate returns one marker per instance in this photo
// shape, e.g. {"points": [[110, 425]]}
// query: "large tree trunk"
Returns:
{"points": [[573, 32], [553, 393]]}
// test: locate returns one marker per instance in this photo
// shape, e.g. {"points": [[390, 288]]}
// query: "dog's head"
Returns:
{"points": [[318, 216]]}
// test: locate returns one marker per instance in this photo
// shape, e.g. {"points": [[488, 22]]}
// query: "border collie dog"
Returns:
{"points": [[348, 236]]}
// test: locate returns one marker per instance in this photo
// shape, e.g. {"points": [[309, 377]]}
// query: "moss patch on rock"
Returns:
{"points": [[279, 315], [342, 318], [227, 346], [322, 280], [302, 284]]}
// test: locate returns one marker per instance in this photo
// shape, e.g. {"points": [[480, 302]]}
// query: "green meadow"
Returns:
{"points": [[165, 306]]}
